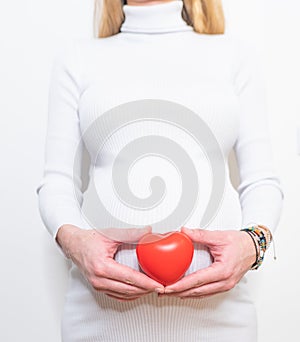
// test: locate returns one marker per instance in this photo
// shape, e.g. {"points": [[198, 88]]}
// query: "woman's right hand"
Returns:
{"points": [[93, 252]]}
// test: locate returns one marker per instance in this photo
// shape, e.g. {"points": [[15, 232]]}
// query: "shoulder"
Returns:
{"points": [[247, 65], [69, 56], [236, 46], [246, 57], [224, 46], [87, 51], [72, 50], [246, 52], [65, 56]]}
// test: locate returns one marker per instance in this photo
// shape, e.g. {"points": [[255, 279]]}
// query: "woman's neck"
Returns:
{"points": [[162, 17], [145, 2]]}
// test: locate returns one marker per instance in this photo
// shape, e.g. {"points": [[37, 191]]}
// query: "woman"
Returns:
{"points": [[175, 51]]}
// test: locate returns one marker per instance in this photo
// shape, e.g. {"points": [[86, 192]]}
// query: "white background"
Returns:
{"points": [[33, 274]]}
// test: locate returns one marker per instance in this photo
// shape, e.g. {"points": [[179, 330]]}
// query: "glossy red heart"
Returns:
{"points": [[165, 257]]}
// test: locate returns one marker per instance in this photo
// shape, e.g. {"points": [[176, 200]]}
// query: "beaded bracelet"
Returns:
{"points": [[256, 248], [262, 238]]}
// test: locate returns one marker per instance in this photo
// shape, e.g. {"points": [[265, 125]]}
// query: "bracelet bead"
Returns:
{"points": [[263, 238]]}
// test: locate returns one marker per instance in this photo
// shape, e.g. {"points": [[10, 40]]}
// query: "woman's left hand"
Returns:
{"points": [[233, 253]]}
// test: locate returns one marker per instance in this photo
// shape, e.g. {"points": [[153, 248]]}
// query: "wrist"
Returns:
{"points": [[64, 237], [262, 238], [251, 246]]}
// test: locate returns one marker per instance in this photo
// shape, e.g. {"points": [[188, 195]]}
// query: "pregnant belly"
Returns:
{"points": [[229, 216]]}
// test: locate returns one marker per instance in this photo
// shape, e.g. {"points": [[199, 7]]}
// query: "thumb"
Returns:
{"points": [[125, 235], [203, 236]]}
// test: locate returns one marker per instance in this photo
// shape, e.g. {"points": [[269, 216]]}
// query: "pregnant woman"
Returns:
{"points": [[150, 57]]}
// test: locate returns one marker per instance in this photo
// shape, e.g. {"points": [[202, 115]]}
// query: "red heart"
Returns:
{"points": [[165, 257]]}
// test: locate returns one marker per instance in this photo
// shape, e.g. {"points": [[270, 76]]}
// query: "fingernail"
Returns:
{"points": [[168, 291], [159, 290]]}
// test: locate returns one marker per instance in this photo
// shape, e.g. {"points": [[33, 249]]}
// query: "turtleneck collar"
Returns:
{"points": [[158, 18]]}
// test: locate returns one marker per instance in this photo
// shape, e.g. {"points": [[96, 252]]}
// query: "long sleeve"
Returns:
{"points": [[298, 139], [260, 191], [58, 203]]}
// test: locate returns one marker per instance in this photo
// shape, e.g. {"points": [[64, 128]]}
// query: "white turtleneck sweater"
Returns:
{"points": [[157, 56]]}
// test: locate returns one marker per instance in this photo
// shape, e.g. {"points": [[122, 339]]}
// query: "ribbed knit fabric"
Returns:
{"points": [[158, 56]]}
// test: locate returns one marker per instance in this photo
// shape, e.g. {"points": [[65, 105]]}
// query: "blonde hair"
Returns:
{"points": [[205, 16]]}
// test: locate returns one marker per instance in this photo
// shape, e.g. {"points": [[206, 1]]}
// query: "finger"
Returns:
{"points": [[125, 235], [127, 275], [120, 299], [205, 290], [203, 236], [201, 297], [117, 288], [121, 296], [211, 274]]}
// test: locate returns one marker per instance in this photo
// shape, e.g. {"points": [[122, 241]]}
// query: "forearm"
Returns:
{"points": [[262, 205]]}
